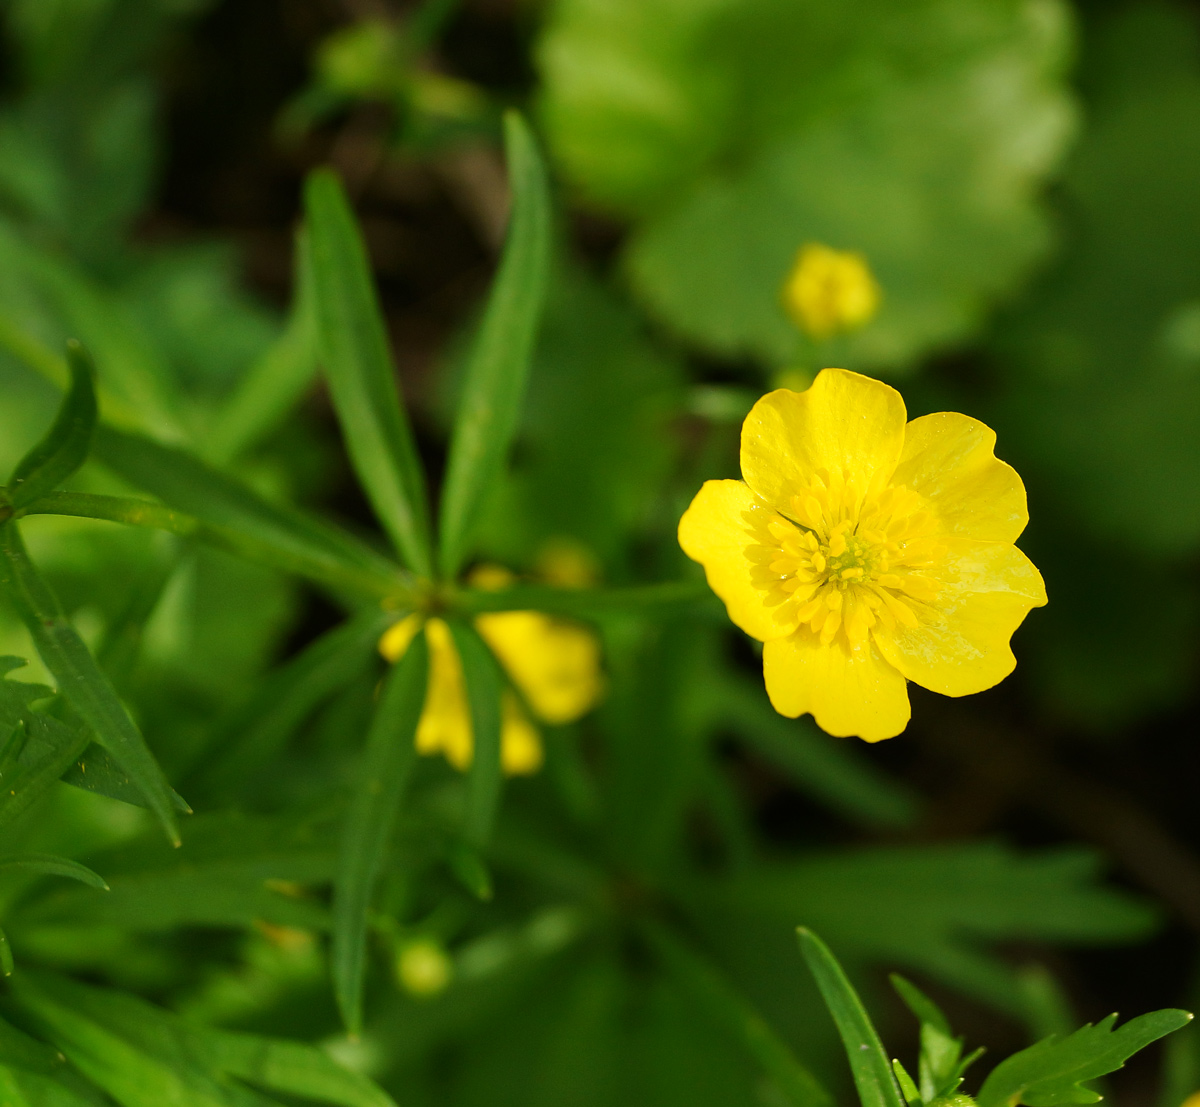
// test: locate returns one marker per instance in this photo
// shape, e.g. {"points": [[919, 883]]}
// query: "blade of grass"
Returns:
{"points": [[498, 366], [65, 445], [387, 763], [80, 679], [730, 1010], [362, 379], [869, 1064], [485, 686]]}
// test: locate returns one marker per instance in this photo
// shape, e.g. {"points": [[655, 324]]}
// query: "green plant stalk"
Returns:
{"points": [[143, 513], [583, 603], [80, 680]]}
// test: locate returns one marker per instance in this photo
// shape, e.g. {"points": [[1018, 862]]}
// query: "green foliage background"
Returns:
{"points": [[620, 927]]}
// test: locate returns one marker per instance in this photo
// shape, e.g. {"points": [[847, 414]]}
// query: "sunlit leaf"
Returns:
{"points": [[362, 378], [498, 365]]}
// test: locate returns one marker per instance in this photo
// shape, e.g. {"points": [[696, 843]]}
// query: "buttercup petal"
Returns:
{"points": [[848, 692], [844, 422], [556, 665], [949, 459], [445, 725], [520, 742], [725, 523], [961, 643]]}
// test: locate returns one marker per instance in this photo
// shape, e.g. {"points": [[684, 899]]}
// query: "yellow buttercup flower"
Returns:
{"points": [[555, 665], [865, 551], [829, 291]]}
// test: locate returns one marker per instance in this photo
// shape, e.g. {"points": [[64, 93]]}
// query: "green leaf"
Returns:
{"points": [[65, 446], [498, 366], [39, 751], [366, 831], [868, 1063], [289, 1067], [52, 866], [907, 1088], [733, 1012], [486, 686], [301, 543], [230, 872], [362, 379], [941, 1070], [6, 957], [945, 903], [273, 384], [97, 772], [145, 1056], [829, 770], [82, 683], [692, 120], [1052, 1071], [256, 732]]}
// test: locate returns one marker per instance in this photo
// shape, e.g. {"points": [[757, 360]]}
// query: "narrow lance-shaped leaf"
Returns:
{"points": [[485, 687], [1051, 1072], [276, 380], [734, 1013], [80, 680], [354, 352], [65, 446], [498, 366], [868, 1063], [390, 752], [51, 866]]}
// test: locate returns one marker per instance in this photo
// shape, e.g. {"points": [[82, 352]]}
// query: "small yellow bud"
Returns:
{"points": [[829, 291], [423, 968], [566, 563]]}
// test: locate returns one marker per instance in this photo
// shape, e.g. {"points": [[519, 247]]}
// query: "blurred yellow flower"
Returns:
{"points": [[865, 552], [829, 291], [555, 665], [423, 968]]}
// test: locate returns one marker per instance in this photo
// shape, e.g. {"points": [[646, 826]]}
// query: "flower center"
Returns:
{"points": [[850, 563]]}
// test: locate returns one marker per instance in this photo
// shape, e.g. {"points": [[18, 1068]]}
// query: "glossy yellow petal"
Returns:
{"points": [[960, 644], [556, 665], [845, 422], [725, 524], [445, 725], [949, 459], [848, 692], [520, 743], [397, 638]]}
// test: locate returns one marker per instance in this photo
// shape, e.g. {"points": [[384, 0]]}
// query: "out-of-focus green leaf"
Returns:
{"points": [[97, 772], [868, 1063], [598, 432], [65, 445], [186, 483], [51, 866], [498, 366], [257, 731], [355, 357], [737, 1016], [1052, 1072], [81, 681], [827, 769], [275, 381], [736, 131], [231, 871], [144, 1056], [944, 902], [486, 686], [387, 763]]}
